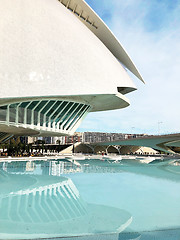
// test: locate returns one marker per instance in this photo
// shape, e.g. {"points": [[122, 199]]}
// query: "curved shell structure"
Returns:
{"points": [[58, 61]]}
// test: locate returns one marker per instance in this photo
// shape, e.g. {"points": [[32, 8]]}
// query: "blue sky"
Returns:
{"points": [[150, 33]]}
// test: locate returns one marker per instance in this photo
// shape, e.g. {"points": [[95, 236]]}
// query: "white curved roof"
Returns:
{"points": [[81, 9], [46, 52]]}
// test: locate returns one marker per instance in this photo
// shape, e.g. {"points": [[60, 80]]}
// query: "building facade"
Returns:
{"points": [[88, 137]]}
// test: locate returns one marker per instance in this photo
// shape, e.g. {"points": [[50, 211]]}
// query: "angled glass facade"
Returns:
{"points": [[47, 115]]}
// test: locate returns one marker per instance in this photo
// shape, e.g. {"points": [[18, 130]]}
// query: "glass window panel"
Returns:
{"points": [[56, 113], [12, 112], [67, 115], [40, 105], [82, 110], [35, 118], [52, 123], [21, 115], [64, 112], [59, 109], [47, 121], [57, 120], [41, 119], [51, 110], [73, 108], [14, 105], [78, 109], [51, 120], [78, 115], [3, 111], [72, 116], [33, 104], [45, 110], [24, 104], [29, 116], [76, 112]]}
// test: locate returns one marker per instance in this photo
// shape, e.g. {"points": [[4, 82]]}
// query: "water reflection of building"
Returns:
{"points": [[54, 168], [30, 165], [12, 166], [57, 169], [55, 202], [101, 169], [50, 207], [4, 166]]}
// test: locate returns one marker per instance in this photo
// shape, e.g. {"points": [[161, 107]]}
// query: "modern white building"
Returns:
{"points": [[58, 61]]}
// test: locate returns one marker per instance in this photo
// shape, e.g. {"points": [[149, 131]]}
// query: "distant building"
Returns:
{"points": [[93, 137], [77, 137]]}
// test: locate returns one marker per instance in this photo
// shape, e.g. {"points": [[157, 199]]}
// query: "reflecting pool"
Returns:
{"points": [[89, 199]]}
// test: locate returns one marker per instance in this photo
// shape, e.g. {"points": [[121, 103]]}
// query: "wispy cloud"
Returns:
{"points": [[149, 31]]}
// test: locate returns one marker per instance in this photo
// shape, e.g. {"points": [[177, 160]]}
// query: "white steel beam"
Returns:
{"points": [[59, 114], [44, 124], [17, 114], [53, 113], [7, 115], [25, 113], [32, 113], [45, 114]]}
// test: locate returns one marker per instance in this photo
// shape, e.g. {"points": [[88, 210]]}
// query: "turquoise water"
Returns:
{"points": [[95, 200]]}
